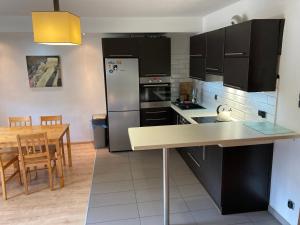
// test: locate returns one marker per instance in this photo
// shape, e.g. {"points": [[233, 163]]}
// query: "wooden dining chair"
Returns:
{"points": [[8, 159], [34, 152], [51, 120], [20, 121], [54, 120]]}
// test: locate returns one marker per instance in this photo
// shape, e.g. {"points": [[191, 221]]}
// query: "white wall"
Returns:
{"points": [[81, 95], [114, 25], [83, 90], [286, 167]]}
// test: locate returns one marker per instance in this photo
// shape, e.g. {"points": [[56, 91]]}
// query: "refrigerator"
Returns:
{"points": [[123, 104]]}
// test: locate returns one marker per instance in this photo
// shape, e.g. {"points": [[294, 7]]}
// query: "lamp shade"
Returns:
{"points": [[56, 28]]}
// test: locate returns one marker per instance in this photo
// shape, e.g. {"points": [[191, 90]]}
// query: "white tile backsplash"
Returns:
{"points": [[179, 73], [245, 105]]}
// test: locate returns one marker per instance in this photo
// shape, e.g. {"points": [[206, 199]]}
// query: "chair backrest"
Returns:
{"points": [[32, 146], [51, 120], [20, 121]]}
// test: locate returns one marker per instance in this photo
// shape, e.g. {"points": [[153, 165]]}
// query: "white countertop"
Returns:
{"points": [[223, 134]]}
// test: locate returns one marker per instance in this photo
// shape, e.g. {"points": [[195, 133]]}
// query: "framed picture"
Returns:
{"points": [[44, 71]]}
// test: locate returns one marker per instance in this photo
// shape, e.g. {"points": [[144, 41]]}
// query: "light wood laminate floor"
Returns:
{"points": [[61, 206]]}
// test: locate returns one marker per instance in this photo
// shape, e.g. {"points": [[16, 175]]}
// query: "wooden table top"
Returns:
{"points": [[8, 134]]}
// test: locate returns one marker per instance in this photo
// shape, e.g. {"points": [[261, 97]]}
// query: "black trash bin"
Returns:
{"points": [[99, 130]]}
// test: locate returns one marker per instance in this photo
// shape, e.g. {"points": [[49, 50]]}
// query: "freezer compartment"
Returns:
{"points": [[118, 123]]}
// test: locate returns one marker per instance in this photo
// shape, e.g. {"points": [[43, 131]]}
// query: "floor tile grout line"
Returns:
{"points": [[108, 221], [190, 211], [137, 206]]}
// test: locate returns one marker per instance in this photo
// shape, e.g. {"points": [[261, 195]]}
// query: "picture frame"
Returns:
{"points": [[44, 71]]}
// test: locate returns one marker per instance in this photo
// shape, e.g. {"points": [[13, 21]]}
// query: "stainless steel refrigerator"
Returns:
{"points": [[122, 91]]}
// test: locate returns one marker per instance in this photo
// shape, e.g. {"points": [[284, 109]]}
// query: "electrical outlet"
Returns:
{"points": [[291, 204], [262, 114], [216, 98]]}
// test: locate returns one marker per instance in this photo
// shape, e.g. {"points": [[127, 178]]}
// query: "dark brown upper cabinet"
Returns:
{"points": [[197, 56], [215, 51], [119, 47], [198, 45], [251, 54], [155, 56], [197, 67]]}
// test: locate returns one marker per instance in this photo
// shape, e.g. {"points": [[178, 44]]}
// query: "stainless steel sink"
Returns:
{"points": [[206, 119]]}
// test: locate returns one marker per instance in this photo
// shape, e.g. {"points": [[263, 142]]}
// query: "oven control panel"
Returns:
{"points": [[154, 80]]}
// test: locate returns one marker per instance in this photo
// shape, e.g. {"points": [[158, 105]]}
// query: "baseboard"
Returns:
{"points": [[278, 216]]}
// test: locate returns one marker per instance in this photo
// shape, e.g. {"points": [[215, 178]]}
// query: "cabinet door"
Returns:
{"points": [[156, 116], [197, 67], [236, 71], [119, 47], [198, 45], [215, 51], [237, 40], [155, 56], [212, 176]]}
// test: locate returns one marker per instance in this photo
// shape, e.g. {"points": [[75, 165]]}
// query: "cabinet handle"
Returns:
{"points": [[199, 55], [156, 119], [120, 55], [214, 69], [197, 78], [155, 74], [192, 157], [232, 86], [234, 53], [156, 85], [156, 112], [204, 153]]}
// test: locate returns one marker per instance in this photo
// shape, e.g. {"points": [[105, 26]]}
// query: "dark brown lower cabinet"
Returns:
{"points": [[237, 178], [157, 116]]}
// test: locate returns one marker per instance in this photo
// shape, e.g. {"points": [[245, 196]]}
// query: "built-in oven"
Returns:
{"points": [[155, 97], [155, 92]]}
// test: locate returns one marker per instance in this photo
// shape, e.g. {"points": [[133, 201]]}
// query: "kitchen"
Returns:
{"points": [[210, 82]]}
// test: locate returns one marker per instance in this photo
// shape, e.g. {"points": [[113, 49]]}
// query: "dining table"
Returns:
{"points": [[55, 134]]}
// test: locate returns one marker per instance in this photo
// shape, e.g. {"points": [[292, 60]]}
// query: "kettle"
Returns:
{"points": [[224, 115]]}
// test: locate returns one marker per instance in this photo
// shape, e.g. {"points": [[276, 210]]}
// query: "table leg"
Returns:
{"points": [[166, 186], [59, 164], [69, 147]]}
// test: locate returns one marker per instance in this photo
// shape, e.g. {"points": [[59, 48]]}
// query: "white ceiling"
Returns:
{"points": [[117, 8]]}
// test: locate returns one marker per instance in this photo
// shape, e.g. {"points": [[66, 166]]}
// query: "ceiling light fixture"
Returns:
{"points": [[56, 27]]}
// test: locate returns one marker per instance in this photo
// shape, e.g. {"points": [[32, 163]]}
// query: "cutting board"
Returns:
{"points": [[185, 90]]}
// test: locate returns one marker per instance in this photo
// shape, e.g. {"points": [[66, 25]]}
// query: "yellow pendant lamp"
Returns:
{"points": [[56, 28]]}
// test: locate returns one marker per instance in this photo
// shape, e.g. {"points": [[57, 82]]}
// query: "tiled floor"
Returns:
{"points": [[127, 190]]}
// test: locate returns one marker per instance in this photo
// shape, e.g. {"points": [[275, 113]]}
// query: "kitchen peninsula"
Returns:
{"points": [[171, 137]]}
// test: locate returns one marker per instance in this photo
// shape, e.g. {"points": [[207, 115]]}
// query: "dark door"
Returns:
{"points": [[156, 116], [212, 178], [237, 40], [198, 45], [197, 67], [155, 56], [236, 71], [215, 51], [119, 47]]}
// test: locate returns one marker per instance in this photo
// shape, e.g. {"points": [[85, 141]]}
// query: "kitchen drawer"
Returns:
{"points": [[156, 116]]}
